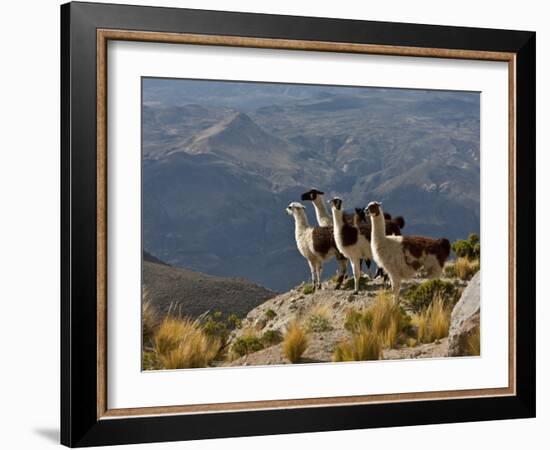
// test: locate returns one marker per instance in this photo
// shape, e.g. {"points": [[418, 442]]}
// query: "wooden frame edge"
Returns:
{"points": [[289, 44], [101, 223], [103, 35]]}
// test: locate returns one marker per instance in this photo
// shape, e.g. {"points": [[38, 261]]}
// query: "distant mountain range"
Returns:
{"points": [[221, 161]]}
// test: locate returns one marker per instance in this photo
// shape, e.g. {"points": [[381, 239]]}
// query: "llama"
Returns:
{"points": [[352, 241], [402, 256], [316, 245], [316, 197], [323, 218], [393, 227]]}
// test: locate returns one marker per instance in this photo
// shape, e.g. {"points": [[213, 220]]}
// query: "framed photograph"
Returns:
{"points": [[276, 224]]}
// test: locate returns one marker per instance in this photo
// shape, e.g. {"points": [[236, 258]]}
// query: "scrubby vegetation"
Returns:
{"points": [[234, 321], [465, 268], [462, 268], [308, 288], [468, 248], [467, 263], [175, 341], [247, 343], [295, 342], [473, 343], [271, 337], [270, 314], [149, 319], [420, 297], [182, 343], [381, 325], [318, 319], [433, 322], [349, 284], [364, 345]]}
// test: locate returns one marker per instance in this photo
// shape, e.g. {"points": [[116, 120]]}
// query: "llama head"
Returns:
{"points": [[311, 194], [336, 204], [373, 209], [295, 208], [360, 215]]}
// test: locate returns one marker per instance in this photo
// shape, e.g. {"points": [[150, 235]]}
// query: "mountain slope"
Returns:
{"points": [[193, 293]]}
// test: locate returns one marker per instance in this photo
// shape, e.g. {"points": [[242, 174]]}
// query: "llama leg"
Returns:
{"points": [[369, 270], [342, 269], [356, 268], [396, 286], [319, 270], [312, 270]]}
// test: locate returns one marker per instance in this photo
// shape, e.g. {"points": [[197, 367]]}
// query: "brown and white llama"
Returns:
{"points": [[352, 241], [393, 225], [316, 245], [402, 256]]}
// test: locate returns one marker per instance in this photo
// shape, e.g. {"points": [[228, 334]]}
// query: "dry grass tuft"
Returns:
{"points": [[364, 345], [433, 323], [149, 317], [384, 317], [473, 343], [181, 343], [295, 342], [465, 268]]}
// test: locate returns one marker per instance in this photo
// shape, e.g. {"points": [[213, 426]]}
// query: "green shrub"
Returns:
{"points": [[449, 270], [271, 337], [214, 326], [246, 344], [318, 323], [318, 318], [234, 321], [421, 296], [270, 314], [308, 288], [467, 248], [350, 283], [355, 320]]}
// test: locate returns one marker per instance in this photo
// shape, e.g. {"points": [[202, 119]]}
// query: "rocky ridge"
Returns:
{"points": [[278, 312]]}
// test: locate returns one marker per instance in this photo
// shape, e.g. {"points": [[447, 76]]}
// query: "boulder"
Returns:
{"points": [[465, 318]]}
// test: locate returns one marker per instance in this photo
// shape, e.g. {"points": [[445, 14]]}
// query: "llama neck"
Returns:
{"points": [[300, 221], [378, 227], [321, 212], [337, 219]]}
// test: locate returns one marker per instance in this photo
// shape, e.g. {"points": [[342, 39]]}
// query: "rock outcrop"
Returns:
{"points": [[465, 318]]}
